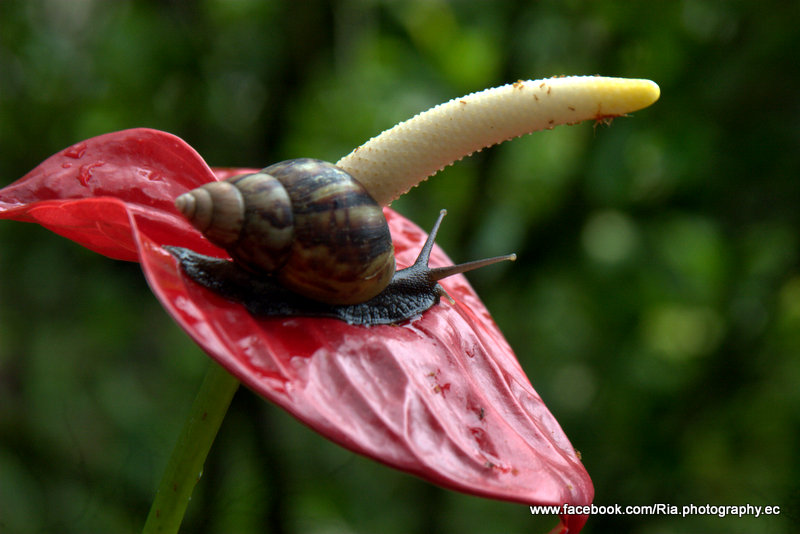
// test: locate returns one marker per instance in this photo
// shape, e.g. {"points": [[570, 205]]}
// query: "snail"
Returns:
{"points": [[307, 239]]}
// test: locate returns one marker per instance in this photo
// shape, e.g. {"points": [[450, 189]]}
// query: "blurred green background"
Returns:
{"points": [[655, 304]]}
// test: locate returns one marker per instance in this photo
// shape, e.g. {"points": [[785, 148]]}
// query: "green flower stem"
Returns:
{"points": [[186, 464]]}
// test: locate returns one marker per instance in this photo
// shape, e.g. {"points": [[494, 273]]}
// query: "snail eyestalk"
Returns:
{"points": [[438, 273], [443, 272]]}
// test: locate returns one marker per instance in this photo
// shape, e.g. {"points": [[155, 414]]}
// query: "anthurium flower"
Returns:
{"points": [[441, 396]]}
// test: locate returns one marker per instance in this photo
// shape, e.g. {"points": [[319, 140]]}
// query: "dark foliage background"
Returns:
{"points": [[655, 305]]}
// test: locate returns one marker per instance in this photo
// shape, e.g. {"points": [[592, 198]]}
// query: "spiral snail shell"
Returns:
{"points": [[306, 221], [307, 239]]}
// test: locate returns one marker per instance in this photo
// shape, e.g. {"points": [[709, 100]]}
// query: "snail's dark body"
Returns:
{"points": [[307, 239], [411, 291]]}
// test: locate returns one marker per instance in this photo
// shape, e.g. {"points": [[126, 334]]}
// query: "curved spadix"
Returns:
{"points": [[393, 162]]}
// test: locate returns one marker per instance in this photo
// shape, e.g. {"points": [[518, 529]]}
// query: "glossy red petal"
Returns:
{"points": [[147, 169], [441, 396]]}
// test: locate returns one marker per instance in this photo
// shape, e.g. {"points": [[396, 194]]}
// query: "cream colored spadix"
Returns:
{"points": [[393, 162]]}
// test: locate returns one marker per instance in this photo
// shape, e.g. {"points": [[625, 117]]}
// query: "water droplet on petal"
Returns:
{"points": [[85, 174], [75, 151]]}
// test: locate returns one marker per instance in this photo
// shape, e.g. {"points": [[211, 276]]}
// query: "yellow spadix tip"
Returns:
{"points": [[637, 93]]}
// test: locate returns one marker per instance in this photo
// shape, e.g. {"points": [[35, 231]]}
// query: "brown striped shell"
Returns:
{"points": [[304, 221]]}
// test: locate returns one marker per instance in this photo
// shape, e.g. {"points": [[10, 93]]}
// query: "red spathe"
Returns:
{"points": [[441, 396]]}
